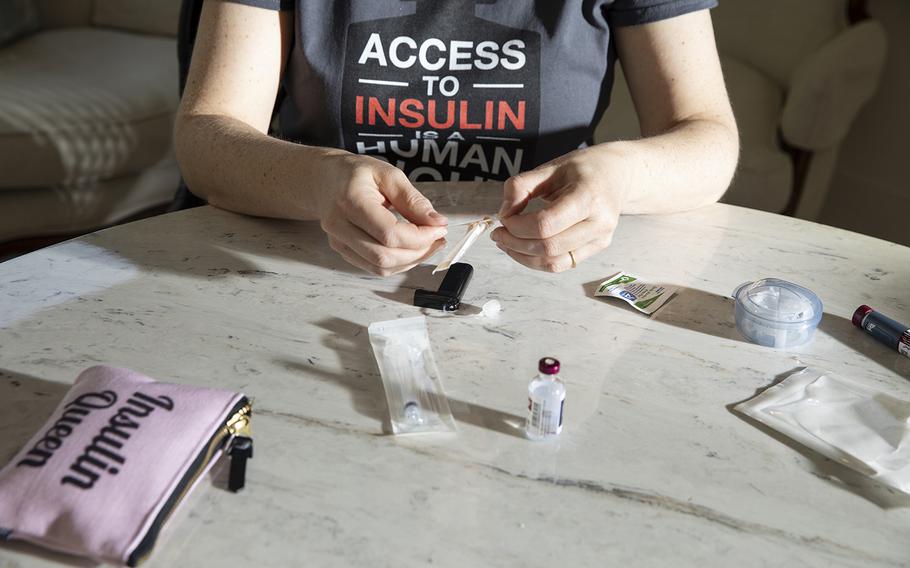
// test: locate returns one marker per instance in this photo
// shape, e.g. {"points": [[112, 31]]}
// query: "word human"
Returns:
{"points": [[495, 161], [433, 54], [102, 454]]}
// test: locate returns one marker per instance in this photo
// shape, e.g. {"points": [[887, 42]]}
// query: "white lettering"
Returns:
{"points": [[448, 80], [393, 52], [433, 54], [430, 80], [409, 153], [450, 149], [487, 56], [475, 155], [379, 148], [425, 61], [461, 51], [513, 48], [501, 156], [373, 50]]}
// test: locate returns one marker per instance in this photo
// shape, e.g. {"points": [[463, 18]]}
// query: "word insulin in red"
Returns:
{"points": [[415, 113]]}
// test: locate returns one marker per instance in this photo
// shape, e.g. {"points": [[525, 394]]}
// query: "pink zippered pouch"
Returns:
{"points": [[116, 457]]}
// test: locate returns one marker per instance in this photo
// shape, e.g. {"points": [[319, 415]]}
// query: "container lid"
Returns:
{"points": [[860, 313], [779, 301], [548, 366]]}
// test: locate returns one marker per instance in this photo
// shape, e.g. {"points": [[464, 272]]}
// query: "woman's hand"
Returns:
{"points": [[586, 190], [353, 208]]}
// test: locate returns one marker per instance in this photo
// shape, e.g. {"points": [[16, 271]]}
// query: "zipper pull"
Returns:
{"points": [[241, 450]]}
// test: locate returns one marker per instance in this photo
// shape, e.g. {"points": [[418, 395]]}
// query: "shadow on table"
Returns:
{"points": [[488, 418], [712, 314], [855, 339], [26, 402], [826, 469], [418, 277], [689, 308], [360, 376], [362, 379], [178, 247]]}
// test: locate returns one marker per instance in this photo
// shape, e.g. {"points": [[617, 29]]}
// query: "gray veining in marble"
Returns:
{"points": [[653, 468]]}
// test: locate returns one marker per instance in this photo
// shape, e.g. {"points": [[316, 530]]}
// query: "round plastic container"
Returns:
{"points": [[776, 313]]}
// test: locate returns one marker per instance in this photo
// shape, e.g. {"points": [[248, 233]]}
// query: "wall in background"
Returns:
{"points": [[870, 191]]}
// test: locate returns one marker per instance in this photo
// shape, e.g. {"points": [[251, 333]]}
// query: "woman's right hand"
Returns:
{"points": [[357, 193]]}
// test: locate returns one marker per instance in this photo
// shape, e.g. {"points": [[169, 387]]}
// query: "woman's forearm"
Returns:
{"points": [[688, 166], [236, 167]]}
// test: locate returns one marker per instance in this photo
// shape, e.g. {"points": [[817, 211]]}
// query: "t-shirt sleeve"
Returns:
{"points": [[636, 12], [267, 4]]}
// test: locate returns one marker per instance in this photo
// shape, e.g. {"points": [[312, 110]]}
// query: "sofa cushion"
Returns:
{"points": [[44, 211], [79, 104], [776, 35], [17, 18], [763, 178], [64, 13], [146, 16]]}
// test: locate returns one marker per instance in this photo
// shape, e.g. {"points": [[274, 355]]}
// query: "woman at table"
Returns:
{"points": [[384, 93]]}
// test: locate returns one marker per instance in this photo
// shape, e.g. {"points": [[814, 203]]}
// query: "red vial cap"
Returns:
{"points": [[548, 366], [860, 313]]}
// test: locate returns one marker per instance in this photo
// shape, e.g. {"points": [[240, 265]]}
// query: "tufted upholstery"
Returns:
{"points": [[87, 106]]}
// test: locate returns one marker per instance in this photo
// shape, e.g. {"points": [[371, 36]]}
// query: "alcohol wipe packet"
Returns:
{"points": [[413, 387], [862, 428], [119, 454], [644, 297]]}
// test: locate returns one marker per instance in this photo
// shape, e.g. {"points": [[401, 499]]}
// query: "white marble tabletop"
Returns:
{"points": [[653, 468]]}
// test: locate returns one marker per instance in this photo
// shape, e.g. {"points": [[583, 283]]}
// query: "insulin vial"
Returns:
{"points": [[546, 396]]}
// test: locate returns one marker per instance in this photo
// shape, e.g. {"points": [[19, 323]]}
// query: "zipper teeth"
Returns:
{"points": [[217, 439]]}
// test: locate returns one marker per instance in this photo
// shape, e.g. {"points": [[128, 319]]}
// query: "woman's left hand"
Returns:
{"points": [[586, 190]]}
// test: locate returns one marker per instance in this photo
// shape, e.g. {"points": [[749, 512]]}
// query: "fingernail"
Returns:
{"points": [[494, 236], [436, 215]]}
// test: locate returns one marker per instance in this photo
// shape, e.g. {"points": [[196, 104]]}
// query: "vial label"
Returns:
{"points": [[545, 419]]}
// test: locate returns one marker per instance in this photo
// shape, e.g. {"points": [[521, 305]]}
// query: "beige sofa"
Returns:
{"points": [[87, 105], [798, 73]]}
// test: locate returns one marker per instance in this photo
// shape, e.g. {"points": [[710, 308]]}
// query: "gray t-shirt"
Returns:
{"points": [[455, 89]]}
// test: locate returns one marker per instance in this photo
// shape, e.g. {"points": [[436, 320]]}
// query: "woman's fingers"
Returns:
{"points": [[560, 262], [567, 210], [375, 253], [404, 197], [572, 238], [519, 189], [352, 257], [381, 224]]}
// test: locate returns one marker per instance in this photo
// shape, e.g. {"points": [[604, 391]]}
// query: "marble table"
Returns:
{"points": [[653, 468]]}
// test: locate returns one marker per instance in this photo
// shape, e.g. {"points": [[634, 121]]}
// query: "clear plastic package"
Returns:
{"points": [[862, 428], [410, 378], [776, 313], [473, 232]]}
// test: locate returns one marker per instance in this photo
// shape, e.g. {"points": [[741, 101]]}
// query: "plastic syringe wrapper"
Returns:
{"points": [[410, 378], [472, 233], [862, 428]]}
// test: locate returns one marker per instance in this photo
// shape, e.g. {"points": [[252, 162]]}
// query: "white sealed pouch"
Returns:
{"points": [[413, 387], [864, 429]]}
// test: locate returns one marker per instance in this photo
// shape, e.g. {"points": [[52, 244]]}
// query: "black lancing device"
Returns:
{"points": [[452, 288]]}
